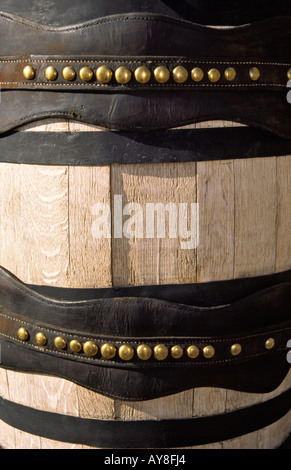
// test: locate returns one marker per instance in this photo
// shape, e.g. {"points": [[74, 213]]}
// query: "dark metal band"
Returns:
{"points": [[230, 12], [208, 74], [129, 347], [106, 148], [161, 434]]}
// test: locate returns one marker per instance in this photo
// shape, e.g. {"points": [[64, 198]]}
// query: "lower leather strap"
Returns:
{"points": [[171, 146], [167, 433], [139, 348]]}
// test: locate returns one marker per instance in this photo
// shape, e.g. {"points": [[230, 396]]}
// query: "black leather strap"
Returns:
{"points": [[147, 40], [167, 433], [257, 326], [209, 12], [106, 148]]}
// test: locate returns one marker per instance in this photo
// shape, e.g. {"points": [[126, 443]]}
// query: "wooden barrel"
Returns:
{"points": [[46, 219]]}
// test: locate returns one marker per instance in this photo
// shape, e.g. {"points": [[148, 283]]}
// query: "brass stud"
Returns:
{"points": [[270, 343], [41, 339], [60, 343], [51, 73], [180, 74], [75, 346], [90, 348], [142, 75], [192, 352], [161, 352], [208, 352], [236, 349], [122, 75], [28, 72], [23, 334], [230, 74], [254, 74], [214, 75], [126, 352], [69, 73], [108, 351], [104, 74], [144, 352], [197, 74], [86, 74], [162, 74], [177, 352], [289, 74]]}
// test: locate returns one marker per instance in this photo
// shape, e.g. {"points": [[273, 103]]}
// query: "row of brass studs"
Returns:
{"points": [[142, 74], [126, 352]]}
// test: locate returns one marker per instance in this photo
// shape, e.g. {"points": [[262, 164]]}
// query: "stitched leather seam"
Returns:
{"points": [[159, 19], [100, 362], [146, 60], [184, 340], [164, 85]]}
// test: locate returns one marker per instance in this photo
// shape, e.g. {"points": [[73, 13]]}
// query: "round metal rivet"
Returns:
{"points": [[104, 74], [142, 75], [197, 74], [235, 349], [161, 352], [23, 334], [144, 352], [192, 352], [289, 74], [162, 74], [51, 73], [108, 351], [208, 352], [86, 74], [90, 348], [180, 74], [214, 75], [69, 73], [75, 346], [60, 343], [254, 73], [126, 352], [123, 75], [177, 352], [28, 72], [270, 343], [230, 74], [41, 339]]}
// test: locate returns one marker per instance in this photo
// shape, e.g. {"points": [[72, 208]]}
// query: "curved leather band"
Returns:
{"points": [[209, 12], [136, 40], [130, 322], [106, 148], [166, 433]]}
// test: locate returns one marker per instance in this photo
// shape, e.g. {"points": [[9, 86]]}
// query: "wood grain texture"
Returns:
{"points": [[46, 217]]}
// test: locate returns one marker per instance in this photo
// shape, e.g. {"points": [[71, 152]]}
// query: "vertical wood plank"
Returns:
{"points": [[154, 261]]}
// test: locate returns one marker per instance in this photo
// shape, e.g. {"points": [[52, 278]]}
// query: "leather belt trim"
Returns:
{"points": [[167, 433], [128, 347], [198, 11], [106, 148], [183, 74], [207, 74]]}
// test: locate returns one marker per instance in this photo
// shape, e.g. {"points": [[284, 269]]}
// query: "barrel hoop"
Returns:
{"points": [[166, 433], [170, 146]]}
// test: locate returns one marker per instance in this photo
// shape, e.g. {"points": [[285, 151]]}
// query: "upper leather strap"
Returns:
{"points": [[243, 72], [209, 12]]}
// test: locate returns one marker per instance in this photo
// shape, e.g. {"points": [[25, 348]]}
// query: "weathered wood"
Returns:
{"points": [[46, 217]]}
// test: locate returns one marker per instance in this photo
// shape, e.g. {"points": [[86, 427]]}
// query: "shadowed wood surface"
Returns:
{"points": [[46, 218]]}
